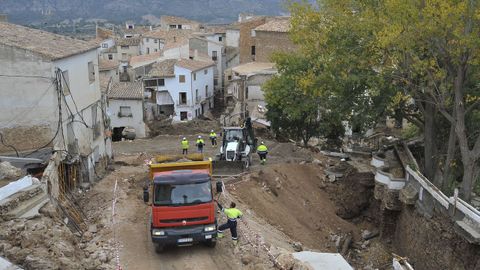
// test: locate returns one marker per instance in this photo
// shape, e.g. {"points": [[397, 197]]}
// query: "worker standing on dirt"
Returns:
{"points": [[185, 146], [262, 152], [213, 137], [232, 214], [200, 144]]}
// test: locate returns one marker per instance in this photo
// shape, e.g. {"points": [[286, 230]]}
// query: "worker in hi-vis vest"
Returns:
{"points": [[185, 146], [262, 152], [200, 143], [232, 214], [213, 137]]}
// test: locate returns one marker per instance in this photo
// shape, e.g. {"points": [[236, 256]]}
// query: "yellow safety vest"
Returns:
{"points": [[213, 135], [185, 144], [200, 141], [262, 148], [232, 213]]}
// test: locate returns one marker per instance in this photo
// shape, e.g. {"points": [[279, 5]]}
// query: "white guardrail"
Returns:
{"points": [[460, 205]]}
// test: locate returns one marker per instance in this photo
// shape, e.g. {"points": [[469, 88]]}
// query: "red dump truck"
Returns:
{"points": [[183, 209]]}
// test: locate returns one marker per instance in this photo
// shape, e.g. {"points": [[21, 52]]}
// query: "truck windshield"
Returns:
{"points": [[233, 135], [178, 195]]}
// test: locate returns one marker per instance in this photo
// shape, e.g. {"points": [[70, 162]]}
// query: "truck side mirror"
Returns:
{"points": [[219, 187], [146, 195]]}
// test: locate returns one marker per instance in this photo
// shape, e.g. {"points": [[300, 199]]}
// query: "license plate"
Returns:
{"points": [[185, 240]]}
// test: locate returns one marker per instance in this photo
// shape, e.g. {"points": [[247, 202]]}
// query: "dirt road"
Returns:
{"points": [[283, 201], [136, 250]]}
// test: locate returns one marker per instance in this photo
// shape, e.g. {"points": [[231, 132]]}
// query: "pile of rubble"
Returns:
{"points": [[45, 242]]}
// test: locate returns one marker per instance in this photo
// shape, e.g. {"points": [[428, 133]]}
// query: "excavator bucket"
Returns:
{"points": [[228, 168]]}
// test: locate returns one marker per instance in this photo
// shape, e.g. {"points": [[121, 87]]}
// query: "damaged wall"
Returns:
{"points": [[433, 243]]}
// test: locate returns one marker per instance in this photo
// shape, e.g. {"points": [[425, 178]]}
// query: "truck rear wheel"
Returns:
{"points": [[159, 248], [211, 243]]}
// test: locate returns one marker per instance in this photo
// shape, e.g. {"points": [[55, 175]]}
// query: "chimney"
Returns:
{"points": [[3, 18]]}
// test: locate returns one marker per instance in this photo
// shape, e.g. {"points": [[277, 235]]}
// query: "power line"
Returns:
{"points": [[31, 107], [8, 145], [71, 95], [59, 101], [25, 76]]}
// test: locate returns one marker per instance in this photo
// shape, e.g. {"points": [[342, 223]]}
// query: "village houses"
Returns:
{"points": [[181, 89], [126, 108], [51, 99], [172, 22]]}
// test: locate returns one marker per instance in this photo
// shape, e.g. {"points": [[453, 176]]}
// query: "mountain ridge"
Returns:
{"points": [[207, 11]]}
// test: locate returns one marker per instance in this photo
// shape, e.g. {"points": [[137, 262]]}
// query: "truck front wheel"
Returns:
{"points": [[211, 243], [159, 248]]}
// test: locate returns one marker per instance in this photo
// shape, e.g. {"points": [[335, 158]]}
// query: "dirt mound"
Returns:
{"points": [[190, 127], [291, 197]]}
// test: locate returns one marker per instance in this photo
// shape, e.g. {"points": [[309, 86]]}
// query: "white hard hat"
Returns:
{"points": [[184, 138], [199, 136], [212, 130], [262, 143]]}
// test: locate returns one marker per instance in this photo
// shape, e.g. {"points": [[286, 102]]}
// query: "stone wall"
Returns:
{"points": [[269, 42], [25, 138], [246, 39]]}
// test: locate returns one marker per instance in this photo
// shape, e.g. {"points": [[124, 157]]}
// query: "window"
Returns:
{"points": [[125, 111], [253, 50], [179, 26], [65, 83], [156, 50], [229, 77], [214, 55], [148, 50], [124, 47], [183, 116], [205, 71], [246, 92], [194, 76], [91, 72], [130, 26], [182, 99], [173, 26], [124, 68], [110, 56], [104, 45], [197, 97], [181, 78], [220, 38], [161, 82], [215, 81], [206, 90], [253, 34], [155, 41]]}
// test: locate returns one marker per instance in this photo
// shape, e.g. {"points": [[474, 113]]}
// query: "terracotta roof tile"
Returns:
{"points": [[107, 64], [126, 90], [194, 65], [49, 45], [165, 68], [138, 60], [276, 25]]}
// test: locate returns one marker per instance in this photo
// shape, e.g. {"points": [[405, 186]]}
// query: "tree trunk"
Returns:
{"points": [[430, 142], [470, 173], [452, 144]]}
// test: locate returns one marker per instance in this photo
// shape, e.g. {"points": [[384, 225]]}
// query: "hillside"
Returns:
{"points": [[213, 11]]}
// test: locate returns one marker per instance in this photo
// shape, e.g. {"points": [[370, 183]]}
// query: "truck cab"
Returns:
{"points": [[182, 205]]}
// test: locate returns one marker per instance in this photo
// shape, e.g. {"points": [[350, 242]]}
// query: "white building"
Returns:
{"points": [[125, 107], [216, 51], [178, 23], [181, 89], [50, 96]]}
